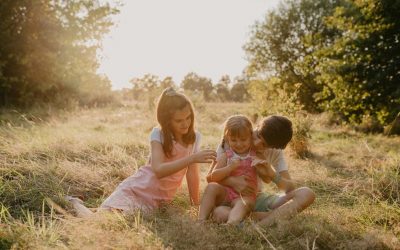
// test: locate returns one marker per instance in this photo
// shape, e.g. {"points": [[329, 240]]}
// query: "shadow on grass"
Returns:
{"points": [[181, 231]]}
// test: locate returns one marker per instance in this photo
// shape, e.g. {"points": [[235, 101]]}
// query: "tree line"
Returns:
{"points": [[224, 90], [341, 56]]}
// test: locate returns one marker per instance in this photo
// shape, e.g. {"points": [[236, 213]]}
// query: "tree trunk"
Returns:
{"points": [[394, 128]]}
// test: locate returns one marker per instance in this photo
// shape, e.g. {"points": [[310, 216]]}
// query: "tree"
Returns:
{"points": [[359, 70], [48, 50], [222, 88], [196, 83], [147, 84], [279, 45], [167, 82], [240, 90]]}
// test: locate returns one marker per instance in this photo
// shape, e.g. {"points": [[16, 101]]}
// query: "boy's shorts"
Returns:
{"points": [[264, 202]]}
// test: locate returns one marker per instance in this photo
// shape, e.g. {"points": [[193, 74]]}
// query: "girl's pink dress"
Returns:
{"points": [[144, 190], [245, 168]]}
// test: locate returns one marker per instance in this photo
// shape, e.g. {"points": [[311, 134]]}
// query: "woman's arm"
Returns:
{"points": [[193, 183], [162, 168]]}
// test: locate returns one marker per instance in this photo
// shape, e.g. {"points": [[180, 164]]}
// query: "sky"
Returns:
{"points": [[175, 37]]}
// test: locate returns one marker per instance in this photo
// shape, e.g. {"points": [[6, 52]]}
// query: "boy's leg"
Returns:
{"points": [[241, 208], [286, 206], [214, 195]]}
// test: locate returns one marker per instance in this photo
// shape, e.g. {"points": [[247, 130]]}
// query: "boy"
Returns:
{"points": [[272, 136]]}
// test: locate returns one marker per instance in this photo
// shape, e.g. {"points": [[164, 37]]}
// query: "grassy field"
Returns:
{"points": [[87, 152]]}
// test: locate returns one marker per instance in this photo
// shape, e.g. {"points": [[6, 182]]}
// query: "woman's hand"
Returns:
{"points": [[203, 156]]}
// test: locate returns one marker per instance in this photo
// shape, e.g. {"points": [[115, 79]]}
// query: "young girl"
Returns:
{"points": [[236, 161], [175, 152]]}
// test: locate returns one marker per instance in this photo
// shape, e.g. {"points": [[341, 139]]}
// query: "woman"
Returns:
{"points": [[175, 152]]}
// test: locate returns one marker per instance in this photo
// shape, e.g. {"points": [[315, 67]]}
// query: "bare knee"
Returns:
{"points": [[213, 189], [306, 196]]}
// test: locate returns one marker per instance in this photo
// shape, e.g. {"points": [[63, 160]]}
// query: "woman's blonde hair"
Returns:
{"points": [[169, 102], [236, 125]]}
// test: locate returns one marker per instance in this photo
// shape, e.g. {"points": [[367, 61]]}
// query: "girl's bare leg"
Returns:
{"points": [[220, 214], [241, 208], [213, 196], [286, 206], [80, 209]]}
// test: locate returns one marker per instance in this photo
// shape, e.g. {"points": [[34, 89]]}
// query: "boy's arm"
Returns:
{"points": [[282, 179], [285, 182], [221, 169], [193, 183]]}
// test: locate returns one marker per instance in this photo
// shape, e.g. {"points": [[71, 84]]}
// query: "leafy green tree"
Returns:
{"points": [[360, 69], [279, 45], [222, 88], [145, 86], [167, 82], [239, 92], [48, 50], [196, 83]]}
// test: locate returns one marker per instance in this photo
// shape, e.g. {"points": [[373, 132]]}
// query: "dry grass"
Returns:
{"points": [[88, 152]]}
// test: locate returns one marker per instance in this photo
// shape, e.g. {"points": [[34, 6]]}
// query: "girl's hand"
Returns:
{"points": [[241, 185], [234, 164], [204, 156]]}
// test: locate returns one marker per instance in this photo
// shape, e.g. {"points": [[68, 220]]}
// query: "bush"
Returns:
{"points": [[270, 99]]}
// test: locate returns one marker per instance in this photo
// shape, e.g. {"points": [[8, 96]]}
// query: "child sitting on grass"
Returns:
{"points": [[236, 161]]}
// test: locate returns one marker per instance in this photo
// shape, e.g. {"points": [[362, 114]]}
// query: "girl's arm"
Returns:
{"points": [[221, 170], [162, 168], [193, 182]]}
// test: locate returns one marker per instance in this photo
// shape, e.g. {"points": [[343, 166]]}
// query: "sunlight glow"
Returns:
{"points": [[175, 37]]}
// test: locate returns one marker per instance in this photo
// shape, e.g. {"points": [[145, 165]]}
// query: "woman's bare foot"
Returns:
{"points": [[80, 209]]}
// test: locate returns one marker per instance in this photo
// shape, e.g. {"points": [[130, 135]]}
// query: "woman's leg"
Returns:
{"points": [[286, 206], [213, 196], [80, 209], [241, 208]]}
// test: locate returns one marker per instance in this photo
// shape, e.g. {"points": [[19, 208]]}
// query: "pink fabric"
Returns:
{"points": [[144, 190], [245, 168]]}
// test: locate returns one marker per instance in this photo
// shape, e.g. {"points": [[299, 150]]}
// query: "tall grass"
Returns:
{"points": [[87, 152]]}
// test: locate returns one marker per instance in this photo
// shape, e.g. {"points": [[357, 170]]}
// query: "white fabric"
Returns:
{"points": [[156, 135]]}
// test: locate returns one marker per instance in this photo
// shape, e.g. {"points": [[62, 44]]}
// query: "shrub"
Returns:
{"points": [[270, 99]]}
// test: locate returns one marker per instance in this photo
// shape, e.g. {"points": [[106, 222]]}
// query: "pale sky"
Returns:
{"points": [[175, 37]]}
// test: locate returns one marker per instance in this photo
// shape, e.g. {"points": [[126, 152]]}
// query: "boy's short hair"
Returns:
{"points": [[276, 130]]}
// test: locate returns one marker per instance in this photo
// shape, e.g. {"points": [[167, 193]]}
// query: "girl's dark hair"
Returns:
{"points": [[236, 125], [169, 102], [276, 130]]}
